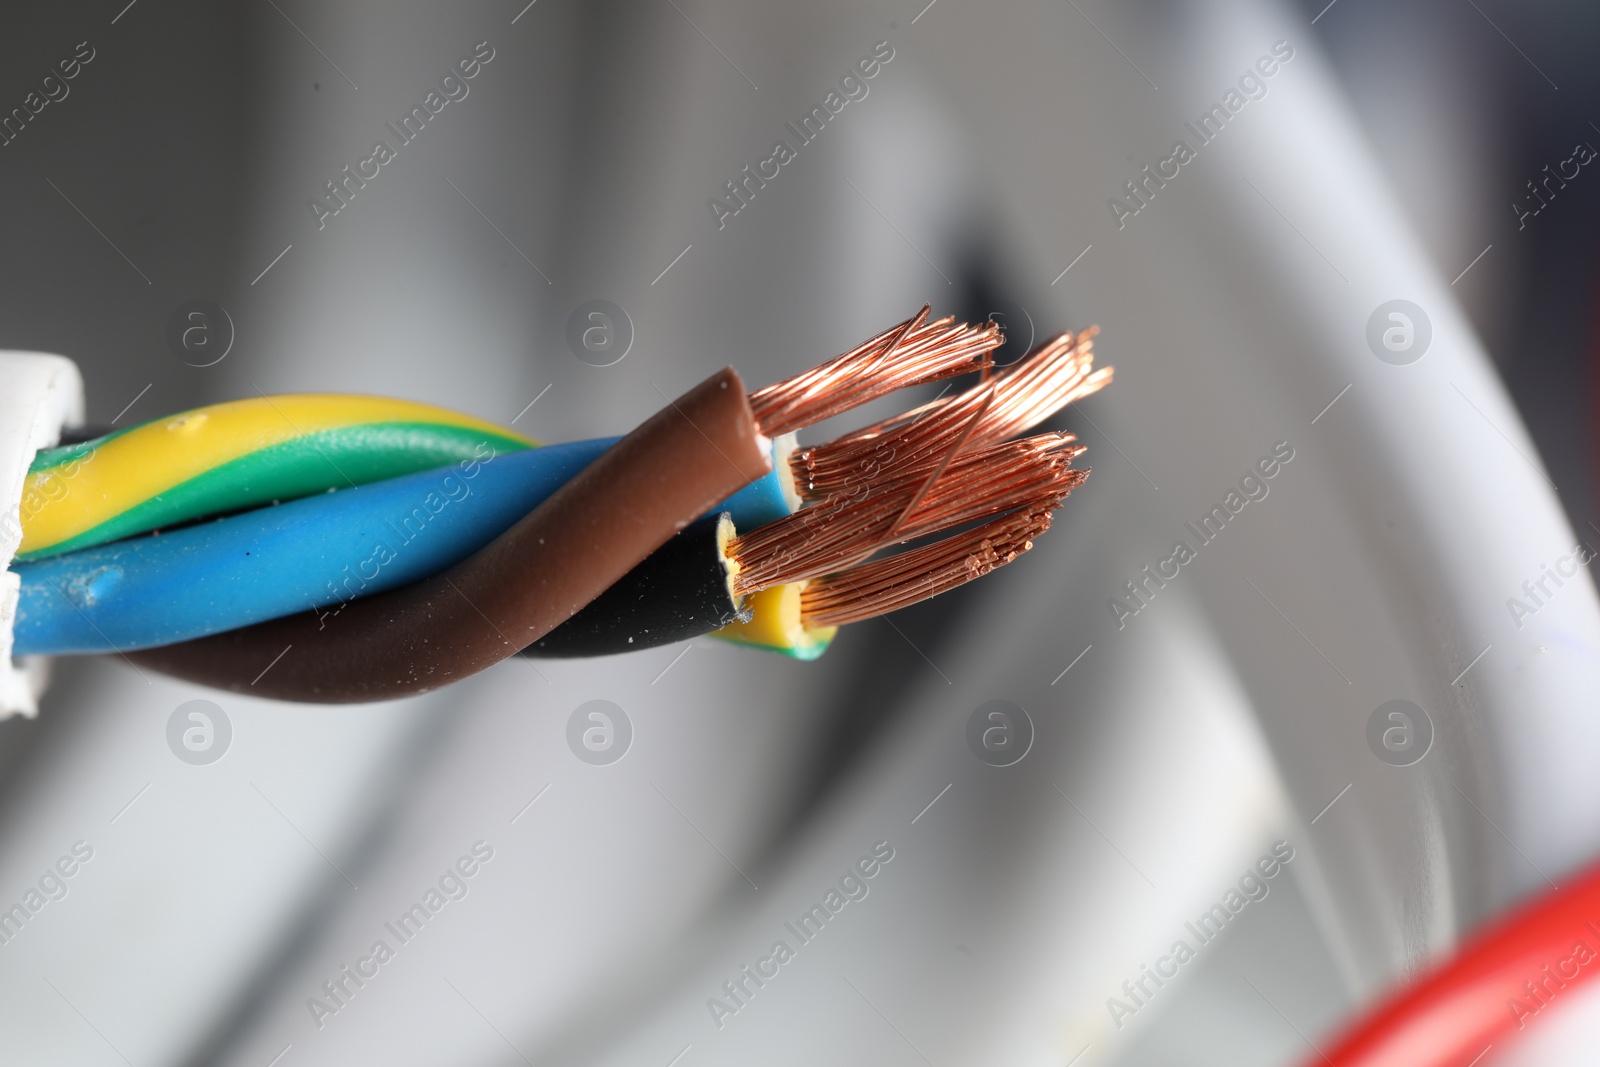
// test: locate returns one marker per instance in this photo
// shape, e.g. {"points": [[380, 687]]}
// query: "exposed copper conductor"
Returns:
{"points": [[1009, 402], [940, 466], [913, 353], [844, 529], [899, 581]]}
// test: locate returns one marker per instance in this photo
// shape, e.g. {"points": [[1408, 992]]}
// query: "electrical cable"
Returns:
{"points": [[225, 457], [1022, 482], [325, 549], [681, 591], [1488, 990], [695, 583], [236, 455], [565, 552], [317, 552], [519, 587], [321, 551], [790, 618], [402, 625], [685, 590]]}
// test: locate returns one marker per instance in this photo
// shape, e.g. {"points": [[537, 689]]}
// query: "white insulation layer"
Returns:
{"points": [[39, 394]]}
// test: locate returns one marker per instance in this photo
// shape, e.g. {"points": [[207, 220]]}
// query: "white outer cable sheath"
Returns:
{"points": [[39, 394]]}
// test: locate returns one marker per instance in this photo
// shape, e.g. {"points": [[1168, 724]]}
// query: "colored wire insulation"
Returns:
{"points": [[552, 562], [226, 457], [523, 584], [680, 592], [236, 455], [800, 619], [777, 624], [324, 550], [695, 587], [318, 552], [1491, 988], [685, 590], [420, 636]]}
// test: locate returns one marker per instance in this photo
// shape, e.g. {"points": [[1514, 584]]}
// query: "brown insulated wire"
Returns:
{"points": [[670, 470]]}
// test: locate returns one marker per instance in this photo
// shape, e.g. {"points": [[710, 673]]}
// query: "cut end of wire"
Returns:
{"points": [[877, 588], [913, 353], [1032, 474], [1014, 399]]}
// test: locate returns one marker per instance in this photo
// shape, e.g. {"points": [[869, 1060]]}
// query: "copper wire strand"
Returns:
{"points": [[897, 336], [955, 449], [776, 400], [1013, 400], [1029, 390], [846, 529], [1036, 376], [914, 352], [885, 585]]}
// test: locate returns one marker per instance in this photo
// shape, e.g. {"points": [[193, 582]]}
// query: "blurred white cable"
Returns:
{"points": [[39, 394]]}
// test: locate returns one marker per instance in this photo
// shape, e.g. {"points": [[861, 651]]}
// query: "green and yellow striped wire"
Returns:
{"points": [[776, 625], [236, 455]]}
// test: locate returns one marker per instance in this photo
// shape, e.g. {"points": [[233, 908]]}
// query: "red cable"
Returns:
{"points": [[1496, 985]]}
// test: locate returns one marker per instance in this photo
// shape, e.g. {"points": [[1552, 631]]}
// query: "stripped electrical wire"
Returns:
{"points": [[845, 529], [245, 453], [915, 352], [877, 588], [1019, 396], [493, 532], [565, 552], [704, 578]]}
